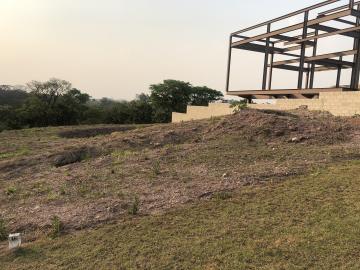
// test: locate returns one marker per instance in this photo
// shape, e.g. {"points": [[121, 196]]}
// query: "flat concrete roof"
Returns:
{"points": [[285, 93]]}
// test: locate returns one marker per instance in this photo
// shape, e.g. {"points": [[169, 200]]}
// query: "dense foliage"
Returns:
{"points": [[56, 102]]}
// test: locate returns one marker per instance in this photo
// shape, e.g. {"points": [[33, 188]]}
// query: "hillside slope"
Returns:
{"points": [[194, 186], [309, 222]]}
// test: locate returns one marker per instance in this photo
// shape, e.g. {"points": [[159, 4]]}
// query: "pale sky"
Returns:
{"points": [[117, 48]]}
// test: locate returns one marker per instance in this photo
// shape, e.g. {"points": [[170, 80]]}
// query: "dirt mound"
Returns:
{"points": [[296, 126], [93, 132], [74, 155]]}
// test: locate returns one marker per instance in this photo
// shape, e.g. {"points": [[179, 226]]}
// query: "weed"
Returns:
{"points": [[11, 191], [56, 227], [20, 152], [170, 148], [120, 194], [62, 190], [52, 196], [238, 106], [222, 196], [28, 253], [156, 167], [41, 188], [6, 155], [83, 189], [119, 157], [3, 230], [316, 173], [134, 206]]}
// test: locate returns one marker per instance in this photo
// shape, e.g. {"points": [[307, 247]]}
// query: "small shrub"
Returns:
{"points": [[11, 191], [56, 227], [134, 207], [3, 230], [156, 167], [238, 106], [63, 191]]}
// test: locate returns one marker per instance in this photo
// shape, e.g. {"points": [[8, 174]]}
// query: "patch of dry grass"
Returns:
{"points": [[307, 222], [164, 166]]}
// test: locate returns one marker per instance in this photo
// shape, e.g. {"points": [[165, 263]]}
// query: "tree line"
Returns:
{"points": [[56, 103]]}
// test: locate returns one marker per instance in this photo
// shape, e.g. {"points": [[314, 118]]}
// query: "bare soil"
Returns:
{"points": [[93, 132]]}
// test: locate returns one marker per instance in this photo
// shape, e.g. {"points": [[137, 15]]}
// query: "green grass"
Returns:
{"points": [[309, 222], [3, 230], [18, 153]]}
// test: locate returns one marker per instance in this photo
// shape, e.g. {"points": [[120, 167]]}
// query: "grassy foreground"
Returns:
{"points": [[310, 222]]}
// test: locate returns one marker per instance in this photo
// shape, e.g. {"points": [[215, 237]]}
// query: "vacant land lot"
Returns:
{"points": [[256, 190]]}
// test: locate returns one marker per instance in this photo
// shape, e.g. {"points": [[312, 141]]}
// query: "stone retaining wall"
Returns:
{"points": [[337, 103], [202, 112]]}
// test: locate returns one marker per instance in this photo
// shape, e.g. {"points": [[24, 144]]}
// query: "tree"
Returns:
{"points": [[36, 113], [119, 113], [137, 111], [12, 95], [53, 103], [9, 118], [70, 107], [167, 97], [107, 103], [174, 96], [202, 96], [94, 113], [49, 91], [77, 96], [141, 110]]}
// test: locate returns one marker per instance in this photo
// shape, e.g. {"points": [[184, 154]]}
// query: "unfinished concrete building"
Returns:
{"points": [[298, 46]]}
